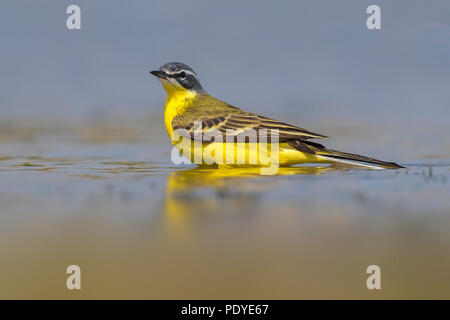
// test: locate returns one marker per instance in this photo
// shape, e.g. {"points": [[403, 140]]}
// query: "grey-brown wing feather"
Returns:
{"points": [[218, 117], [241, 123]]}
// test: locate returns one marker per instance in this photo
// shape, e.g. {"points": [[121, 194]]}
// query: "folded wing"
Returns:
{"points": [[212, 115]]}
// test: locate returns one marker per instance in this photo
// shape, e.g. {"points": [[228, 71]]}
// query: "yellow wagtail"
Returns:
{"points": [[189, 104]]}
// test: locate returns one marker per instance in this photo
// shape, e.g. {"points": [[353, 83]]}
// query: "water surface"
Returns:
{"points": [[110, 201]]}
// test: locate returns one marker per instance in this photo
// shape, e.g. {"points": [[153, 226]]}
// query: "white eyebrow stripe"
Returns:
{"points": [[185, 71]]}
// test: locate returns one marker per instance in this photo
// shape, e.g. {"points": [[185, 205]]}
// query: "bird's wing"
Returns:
{"points": [[219, 117]]}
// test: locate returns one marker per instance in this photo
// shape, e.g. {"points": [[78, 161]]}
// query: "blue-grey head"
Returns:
{"points": [[177, 75]]}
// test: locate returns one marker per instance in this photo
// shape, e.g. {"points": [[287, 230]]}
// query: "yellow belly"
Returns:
{"points": [[243, 154]]}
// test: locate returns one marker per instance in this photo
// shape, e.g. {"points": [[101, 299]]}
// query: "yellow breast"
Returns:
{"points": [[178, 99]]}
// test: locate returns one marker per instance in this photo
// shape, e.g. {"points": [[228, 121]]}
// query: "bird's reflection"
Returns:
{"points": [[193, 194]]}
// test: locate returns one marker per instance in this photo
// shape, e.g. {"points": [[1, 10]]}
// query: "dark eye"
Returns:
{"points": [[182, 75]]}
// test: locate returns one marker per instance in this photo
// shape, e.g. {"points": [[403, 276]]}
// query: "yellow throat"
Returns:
{"points": [[178, 99]]}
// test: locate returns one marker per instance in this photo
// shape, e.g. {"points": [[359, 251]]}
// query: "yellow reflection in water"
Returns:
{"points": [[183, 204]]}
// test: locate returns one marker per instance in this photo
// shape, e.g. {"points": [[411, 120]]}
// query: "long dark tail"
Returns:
{"points": [[342, 157], [356, 159]]}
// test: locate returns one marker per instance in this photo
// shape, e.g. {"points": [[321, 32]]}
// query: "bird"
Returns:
{"points": [[189, 109]]}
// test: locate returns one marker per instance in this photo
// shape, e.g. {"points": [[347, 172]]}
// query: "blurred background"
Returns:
{"points": [[85, 159]]}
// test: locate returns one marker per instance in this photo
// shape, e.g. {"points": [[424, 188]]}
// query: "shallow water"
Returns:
{"points": [[142, 227]]}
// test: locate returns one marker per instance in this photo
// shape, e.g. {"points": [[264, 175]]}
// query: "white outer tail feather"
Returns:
{"points": [[354, 163]]}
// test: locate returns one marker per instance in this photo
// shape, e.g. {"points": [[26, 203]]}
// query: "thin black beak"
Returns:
{"points": [[158, 74]]}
